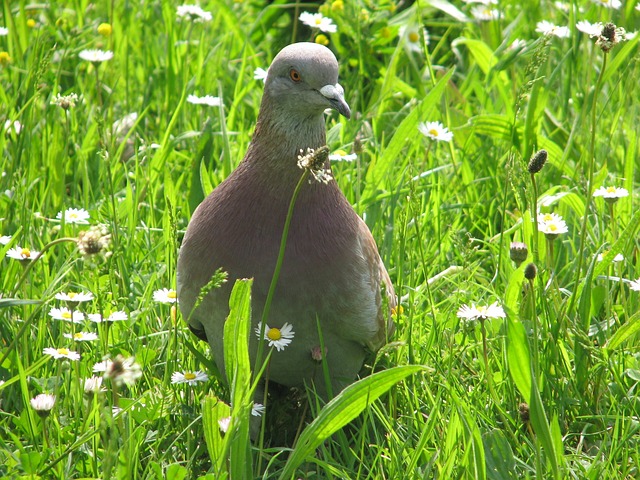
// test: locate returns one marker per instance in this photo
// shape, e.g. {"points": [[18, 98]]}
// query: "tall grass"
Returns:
{"points": [[550, 391]]}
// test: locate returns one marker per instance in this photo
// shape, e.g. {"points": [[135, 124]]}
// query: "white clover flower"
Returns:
{"points": [[43, 404], [64, 314], [547, 28], [165, 295], [74, 297], [192, 378], [206, 100], [96, 55], [257, 410], [613, 4], [277, 337], [62, 353], [319, 21], [342, 156], [591, 29], [473, 312], [436, 131], [484, 13], [82, 336], [19, 253], [78, 216], [260, 74], [5, 239], [193, 13], [551, 224]]}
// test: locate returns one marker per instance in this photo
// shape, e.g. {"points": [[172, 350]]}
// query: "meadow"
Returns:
{"points": [[492, 151]]}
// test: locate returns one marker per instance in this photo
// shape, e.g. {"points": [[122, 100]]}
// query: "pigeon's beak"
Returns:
{"points": [[335, 95]]}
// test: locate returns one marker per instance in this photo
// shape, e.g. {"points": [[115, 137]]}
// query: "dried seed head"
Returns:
{"points": [[610, 37], [523, 411], [530, 271], [518, 252], [537, 161]]}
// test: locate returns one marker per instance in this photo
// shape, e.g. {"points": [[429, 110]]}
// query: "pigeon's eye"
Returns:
{"points": [[295, 75]]}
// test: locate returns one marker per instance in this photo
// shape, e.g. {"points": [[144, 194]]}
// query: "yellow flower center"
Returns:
{"points": [[413, 37], [66, 315], [63, 351], [553, 227], [172, 294], [78, 336], [71, 294], [25, 253], [433, 132], [482, 310], [611, 189], [274, 334], [189, 376], [318, 21], [547, 217]]}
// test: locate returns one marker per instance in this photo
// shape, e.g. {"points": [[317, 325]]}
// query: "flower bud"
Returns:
{"points": [[518, 252]]}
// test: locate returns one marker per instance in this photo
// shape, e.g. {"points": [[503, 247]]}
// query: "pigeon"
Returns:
{"points": [[333, 289]]}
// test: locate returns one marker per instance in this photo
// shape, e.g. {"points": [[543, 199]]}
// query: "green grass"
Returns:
{"points": [[447, 399]]}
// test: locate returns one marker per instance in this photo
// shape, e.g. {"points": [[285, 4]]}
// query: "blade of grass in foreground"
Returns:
{"points": [[342, 409]]}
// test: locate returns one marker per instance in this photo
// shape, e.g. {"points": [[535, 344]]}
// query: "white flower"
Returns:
{"points": [[277, 337], [591, 29], [411, 38], [260, 74], [79, 216], [65, 314], [20, 253], [342, 156], [13, 127], [193, 13], [482, 2], [43, 403], [319, 21], [564, 6], [613, 4], [611, 192], [635, 285], [96, 56], [101, 366], [191, 378], [114, 317], [122, 370], [436, 131], [82, 336], [165, 295], [473, 312], [74, 297], [551, 224], [484, 13], [4, 31], [65, 101], [548, 28], [4, 239], [93, 385], [517, 44], [206, 100], [62, 353], [224, 423], [257, 410], [618, 258]]}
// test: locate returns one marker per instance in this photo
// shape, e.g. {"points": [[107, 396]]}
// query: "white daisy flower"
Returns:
{"points": [[62, 353], [79, 216], [611, 193], [19, 253], [635, 285], [480, 312], [260, 74], [74, 297], [551, 224], [96, 55], [319, 21], [192, 378], [165, 295], [82, 336], [64, 314], [484, 13], [591, 29], [4, 239], [436, 131], [206, 100], [411, 37], [93, 385], [277, 337], [193, 13], [257, 410], [342, 156], [547, 28], [613, 4], [43, 404]]}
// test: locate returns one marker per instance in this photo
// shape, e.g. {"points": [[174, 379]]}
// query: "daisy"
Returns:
{"points": [[473, 312], [206, 100], [192, 378], [319, 21], [65, 314], [43, 404], [613, 4], [591, 29], [79, 216], [122, 370], [411, 38], [342, 156], [93, 385], [193, 13], [635, 285], [4, 239], [436, 131], [20, 253], [484, 13], [551, 224], [260, 74], [62, 353], [96, 55], [257, 410], [165, 295], [73, 297], [82, 336], [548, 28], [277, 337], [611, 194]]}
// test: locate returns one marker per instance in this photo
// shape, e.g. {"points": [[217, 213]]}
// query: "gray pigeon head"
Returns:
{"points": [[303, 78]]}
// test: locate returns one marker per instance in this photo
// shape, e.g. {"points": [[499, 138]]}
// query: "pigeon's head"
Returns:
{"points": [[303, 80]]}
